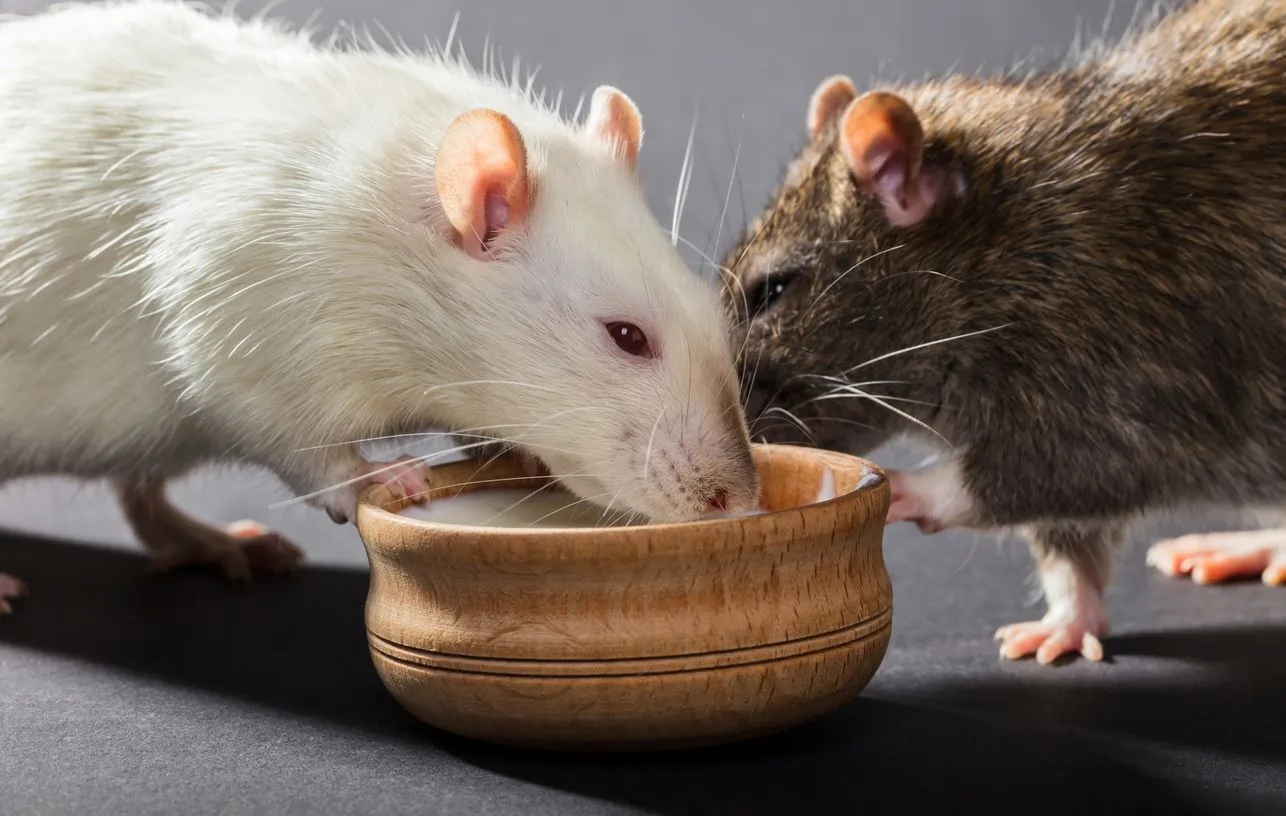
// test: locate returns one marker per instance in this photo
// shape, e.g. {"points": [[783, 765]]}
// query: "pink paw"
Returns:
{"points": [[406, 477], [10, 589], [1051, 639], [907, 503], [1214, 558]]}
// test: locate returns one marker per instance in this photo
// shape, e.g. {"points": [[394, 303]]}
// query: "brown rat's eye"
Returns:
{"points": [[630, 339], [768, 291]]}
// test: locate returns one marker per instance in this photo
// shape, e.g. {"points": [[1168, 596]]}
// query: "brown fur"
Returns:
{"points": [[1123, 217]]}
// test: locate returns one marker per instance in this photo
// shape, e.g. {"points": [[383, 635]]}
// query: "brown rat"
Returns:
{"points": [[1072, 283]]}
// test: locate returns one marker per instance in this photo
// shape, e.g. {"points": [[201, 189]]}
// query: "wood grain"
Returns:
{"points": [[628, 638]]}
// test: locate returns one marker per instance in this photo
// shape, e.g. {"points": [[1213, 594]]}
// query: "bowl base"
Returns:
{"points": [[663, 712]]}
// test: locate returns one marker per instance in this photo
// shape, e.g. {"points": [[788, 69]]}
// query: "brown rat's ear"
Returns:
{"points": [[832, 96], [615, 119], [481, 177], [883, 141]]}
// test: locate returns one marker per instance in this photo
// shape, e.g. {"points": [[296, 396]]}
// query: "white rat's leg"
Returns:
{"points": [[1074, 562], [240, 550], [1212, 558], [10, 589]]}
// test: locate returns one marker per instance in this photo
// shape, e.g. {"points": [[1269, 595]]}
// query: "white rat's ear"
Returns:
{"points": [[481, 177], [883, 141], [615, 119], [832, 96]]}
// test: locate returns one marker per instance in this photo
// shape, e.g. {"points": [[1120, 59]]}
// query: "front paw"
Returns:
{"points": [[406, 479], [910, 499]]}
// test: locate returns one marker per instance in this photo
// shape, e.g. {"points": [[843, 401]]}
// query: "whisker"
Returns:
{"points": [[510, 508], [499, 480], [488, 382], [882, 404], [466, 432], [703, 255], [919, 346], [566, 507], [842, 275], [364, 476], [925, 272], [727, 196], [843, 382], [799, 423], [685, 181], [647, 457]]}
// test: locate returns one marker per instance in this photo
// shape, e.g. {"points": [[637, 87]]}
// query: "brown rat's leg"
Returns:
{"points": [[241, 550], [1073, 559], [1212, 558], [1074, 562], [10, 589]]}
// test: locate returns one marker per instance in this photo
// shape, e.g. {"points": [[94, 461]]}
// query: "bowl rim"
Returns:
{"points": [[374, 501]]}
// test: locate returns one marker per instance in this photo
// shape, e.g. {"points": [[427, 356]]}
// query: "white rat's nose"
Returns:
{"points": [[719, 501]]}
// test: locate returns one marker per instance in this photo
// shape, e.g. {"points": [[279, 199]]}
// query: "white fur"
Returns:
{"points": [[935, 496], [219, 241]]}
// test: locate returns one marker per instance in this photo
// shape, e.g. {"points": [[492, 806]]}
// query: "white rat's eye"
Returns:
{"points": [[630, 339]]}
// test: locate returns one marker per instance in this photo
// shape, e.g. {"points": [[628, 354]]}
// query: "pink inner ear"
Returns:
{"points": [[888, 169], [497, 215], [915, 205]]}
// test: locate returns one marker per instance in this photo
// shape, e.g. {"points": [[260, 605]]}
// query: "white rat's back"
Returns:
{"points": [[156, 159]]}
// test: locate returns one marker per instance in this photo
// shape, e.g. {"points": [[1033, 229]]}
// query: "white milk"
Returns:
{"points": [[516, 507]]}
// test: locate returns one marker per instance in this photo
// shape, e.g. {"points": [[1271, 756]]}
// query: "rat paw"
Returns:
{"points": [[532, 466], [243, 550], [1050, 639], [10, 589], [406, 477], [907, 503], [1213, 558]]}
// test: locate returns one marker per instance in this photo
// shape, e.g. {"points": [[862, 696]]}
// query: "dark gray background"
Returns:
{"points": [[120, 694]]}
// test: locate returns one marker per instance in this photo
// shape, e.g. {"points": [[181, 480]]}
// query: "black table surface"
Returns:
{"points": [[124, 694]]}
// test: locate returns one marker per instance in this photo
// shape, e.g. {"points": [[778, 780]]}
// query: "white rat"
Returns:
{"points": [[219, 241]]}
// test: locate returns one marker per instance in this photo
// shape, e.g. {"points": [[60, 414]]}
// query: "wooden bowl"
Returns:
{"points": [[633, 638]]}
